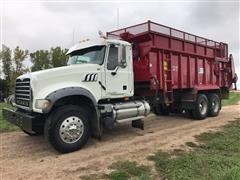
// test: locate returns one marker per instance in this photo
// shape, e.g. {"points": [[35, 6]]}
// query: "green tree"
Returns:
{"points": [[6, 58], [18, 69], [3, 89], [58, 56], [40, 60], [19, 56], [6, 61]]}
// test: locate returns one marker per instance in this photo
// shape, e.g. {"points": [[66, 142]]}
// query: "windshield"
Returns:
{"points": [[91, 55]]}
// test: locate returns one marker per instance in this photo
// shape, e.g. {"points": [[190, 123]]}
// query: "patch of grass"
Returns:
{"points": [[123, 170], [234, 98], [216, 157], [118, 175], [231, 174], [129, 170], [94, 177], [4, 125]]}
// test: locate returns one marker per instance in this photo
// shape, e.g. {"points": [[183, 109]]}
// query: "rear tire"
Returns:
{"points": [[161, 110], [200, 111], [67, 128], [214, 105]]}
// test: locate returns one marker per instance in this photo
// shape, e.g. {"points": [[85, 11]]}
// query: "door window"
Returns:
{"points": [[123, 62], [112, 62]]}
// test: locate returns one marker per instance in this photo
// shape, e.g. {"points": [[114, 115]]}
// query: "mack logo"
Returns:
{"points": [[91, 77], [22, 102]]}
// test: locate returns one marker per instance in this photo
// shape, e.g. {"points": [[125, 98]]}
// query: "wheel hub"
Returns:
{"points": [[215, 105], [203, 107], [71, 129]]}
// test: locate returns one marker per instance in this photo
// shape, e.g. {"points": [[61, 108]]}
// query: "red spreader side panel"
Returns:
{"points": [[171, 59]]}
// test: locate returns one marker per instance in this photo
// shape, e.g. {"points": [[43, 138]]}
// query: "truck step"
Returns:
{"points": [[129, 119]]}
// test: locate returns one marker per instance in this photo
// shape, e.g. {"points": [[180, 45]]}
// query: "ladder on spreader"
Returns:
{"points": [[167, 80]]}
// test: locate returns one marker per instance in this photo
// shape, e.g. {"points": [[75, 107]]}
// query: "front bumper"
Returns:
{"points": [[27, 122]]}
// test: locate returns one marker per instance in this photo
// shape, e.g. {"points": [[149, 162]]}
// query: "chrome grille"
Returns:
{"points": [[23, 92]]}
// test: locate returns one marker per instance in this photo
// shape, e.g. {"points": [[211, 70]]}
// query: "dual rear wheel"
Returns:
{"points": [[206, 106]]}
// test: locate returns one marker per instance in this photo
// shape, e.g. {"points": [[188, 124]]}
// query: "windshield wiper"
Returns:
{"points": [[81, 61]]}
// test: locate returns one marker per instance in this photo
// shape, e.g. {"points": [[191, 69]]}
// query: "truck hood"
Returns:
{"points": [[46, 81], [60, 71]]}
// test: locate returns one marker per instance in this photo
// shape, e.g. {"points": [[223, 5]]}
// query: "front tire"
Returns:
{"points": [[67, 128], [200, 111], [214, 105]]}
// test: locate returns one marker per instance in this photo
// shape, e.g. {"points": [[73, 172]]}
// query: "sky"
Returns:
{"points": [[37, 25]]}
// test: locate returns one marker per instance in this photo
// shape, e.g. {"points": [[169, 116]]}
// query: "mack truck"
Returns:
{"points": [[121, 78]]}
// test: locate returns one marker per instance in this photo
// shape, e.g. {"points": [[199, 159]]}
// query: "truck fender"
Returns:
{"points": [[71, 91]]}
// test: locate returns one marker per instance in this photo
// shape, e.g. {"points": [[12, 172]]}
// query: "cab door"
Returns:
{"points": [[117, 72]]}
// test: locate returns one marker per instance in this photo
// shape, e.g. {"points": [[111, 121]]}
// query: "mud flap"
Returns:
{"points": [[138, 124], [96, 126]]}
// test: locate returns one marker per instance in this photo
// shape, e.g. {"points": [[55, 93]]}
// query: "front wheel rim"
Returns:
{"points": [[71, 129]]}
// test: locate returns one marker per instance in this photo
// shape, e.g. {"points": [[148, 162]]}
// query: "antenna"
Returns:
{"points": [[73, 36], [117, 18]]}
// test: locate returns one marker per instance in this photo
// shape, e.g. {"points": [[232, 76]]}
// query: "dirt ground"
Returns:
{"points": [[24, 157]]}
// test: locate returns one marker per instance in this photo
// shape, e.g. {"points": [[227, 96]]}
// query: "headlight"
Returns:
{"points": [[42, 103]]}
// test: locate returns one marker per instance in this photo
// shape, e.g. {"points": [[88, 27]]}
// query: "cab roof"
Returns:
{"points": [[95, 42]]}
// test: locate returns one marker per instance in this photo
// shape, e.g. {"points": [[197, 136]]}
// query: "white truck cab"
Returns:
{"points": [[69, 104], [101, 66], [118, 63]]}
